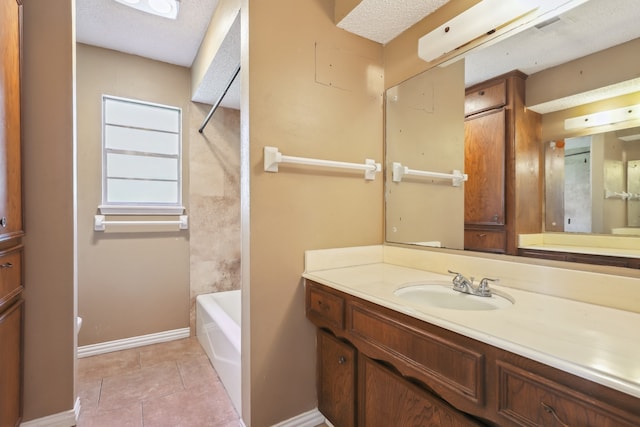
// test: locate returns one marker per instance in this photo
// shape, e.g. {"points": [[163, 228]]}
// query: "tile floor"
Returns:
{"points": [[171, 384]]}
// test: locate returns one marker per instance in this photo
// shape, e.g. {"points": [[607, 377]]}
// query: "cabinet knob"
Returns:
{"points": [[6, 265], [3, 221], [342, 360]]}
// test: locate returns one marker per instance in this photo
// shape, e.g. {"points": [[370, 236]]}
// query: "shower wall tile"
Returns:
{"points": [[214, 203]]}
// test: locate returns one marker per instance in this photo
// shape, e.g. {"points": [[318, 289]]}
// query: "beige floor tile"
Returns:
{"points": [[89, 393], [170, 351], [159, 380], [128, 416], [190, 408], [106, 365], [196, 371], [168, 384]]}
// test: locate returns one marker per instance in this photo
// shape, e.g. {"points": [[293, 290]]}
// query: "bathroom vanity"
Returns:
{"points": [[541, 361]]}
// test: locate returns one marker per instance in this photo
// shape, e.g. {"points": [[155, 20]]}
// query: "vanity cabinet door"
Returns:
{"points": [[11, 365], [484, 162], [336, 380], [387, 399], [529, 399]]}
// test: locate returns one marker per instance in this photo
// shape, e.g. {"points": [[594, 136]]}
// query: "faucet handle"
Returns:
{"points": [[460, 276], [483, 288]]}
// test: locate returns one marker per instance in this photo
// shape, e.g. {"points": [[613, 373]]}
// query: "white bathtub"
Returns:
{"points": [[218, 330]]}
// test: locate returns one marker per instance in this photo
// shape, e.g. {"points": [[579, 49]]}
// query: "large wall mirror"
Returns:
{"points": [[589, 175]]}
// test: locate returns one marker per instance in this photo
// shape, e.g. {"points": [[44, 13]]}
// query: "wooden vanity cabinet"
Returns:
{"points": [[388, 399], [11, 220], [503, 195], [11, 320], [336, 380], [411, 373], [535, 395]]}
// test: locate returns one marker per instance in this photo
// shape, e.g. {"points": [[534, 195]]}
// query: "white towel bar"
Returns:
{"points": [[456, 177], [99, 223], [621, 195], [272, 158]]}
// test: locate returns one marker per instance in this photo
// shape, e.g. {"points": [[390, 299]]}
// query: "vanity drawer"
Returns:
{"points": [[532, 400], [446, 366], [10, 275], [485, 240], [485, 98], [324, 309]]}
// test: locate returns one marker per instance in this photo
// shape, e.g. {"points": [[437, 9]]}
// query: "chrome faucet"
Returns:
{"points": [[464, 285]]}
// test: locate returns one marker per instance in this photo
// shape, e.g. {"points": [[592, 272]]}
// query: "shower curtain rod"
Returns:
{"points": [[215, 106]]}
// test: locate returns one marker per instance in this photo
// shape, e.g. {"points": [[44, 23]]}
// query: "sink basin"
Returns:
{"points": [[442, 295]]}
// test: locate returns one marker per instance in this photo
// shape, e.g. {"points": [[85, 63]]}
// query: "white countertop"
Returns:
{"points": [[594, 342], [627, 246]]}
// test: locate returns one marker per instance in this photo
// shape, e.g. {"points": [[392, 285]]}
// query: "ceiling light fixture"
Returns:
{"points": [[483, 18], [165, 8], [601, 118], [488, 22]]}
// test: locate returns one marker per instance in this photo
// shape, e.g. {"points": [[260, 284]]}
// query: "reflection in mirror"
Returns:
{"points": [[424, 132], [633, 190], [591, 182], [605, 199]]}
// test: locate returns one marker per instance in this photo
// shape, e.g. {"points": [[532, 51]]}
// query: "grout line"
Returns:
{"points": [[184, 386], [100, 393]]}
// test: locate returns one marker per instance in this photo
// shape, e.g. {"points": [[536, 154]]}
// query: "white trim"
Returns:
{"points": [[61, 419], [140, 210], [133, 342], [307, 419]]}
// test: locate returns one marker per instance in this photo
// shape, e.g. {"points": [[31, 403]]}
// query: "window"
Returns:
{"points": [[141, 158]]}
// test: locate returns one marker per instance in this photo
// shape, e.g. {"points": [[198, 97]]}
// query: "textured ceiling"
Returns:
{"points": [[109, 24], [590, 27], [383, 20]]}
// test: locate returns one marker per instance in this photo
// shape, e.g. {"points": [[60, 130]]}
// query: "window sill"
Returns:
{"points": [[140, 210]]}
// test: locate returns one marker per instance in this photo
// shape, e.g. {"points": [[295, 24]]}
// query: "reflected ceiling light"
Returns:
{"points": [[165, 8], [601, 118]]}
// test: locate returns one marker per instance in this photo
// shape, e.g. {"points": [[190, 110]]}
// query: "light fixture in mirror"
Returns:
{"points": [[601, 118]]}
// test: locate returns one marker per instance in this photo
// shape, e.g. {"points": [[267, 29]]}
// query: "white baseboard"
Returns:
{"points": [[307, 419], [133, 342], [61, 419]]}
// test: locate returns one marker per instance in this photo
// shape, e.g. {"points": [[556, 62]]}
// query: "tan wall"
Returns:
{"points": [[308, 111], [214, 202], [48, 202], [136, 283]]}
